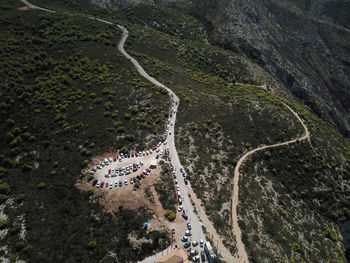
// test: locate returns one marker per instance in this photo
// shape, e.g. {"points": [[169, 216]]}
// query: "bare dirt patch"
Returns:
{"points": [[112, 200]]}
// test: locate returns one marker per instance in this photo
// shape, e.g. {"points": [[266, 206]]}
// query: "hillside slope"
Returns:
{"points": [[293, 199]]}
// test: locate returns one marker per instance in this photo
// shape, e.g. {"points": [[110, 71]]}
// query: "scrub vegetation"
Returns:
{"points": [[68, 95]]}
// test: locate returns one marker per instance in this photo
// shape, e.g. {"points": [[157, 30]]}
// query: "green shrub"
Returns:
{"points": [[92, 244], [3, 223], [41, 185], [5, 189], [170, 215]]}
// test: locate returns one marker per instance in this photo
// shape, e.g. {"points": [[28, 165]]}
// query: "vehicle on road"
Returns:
{"points": [[188, 233], [187, 244], [184, 239]]}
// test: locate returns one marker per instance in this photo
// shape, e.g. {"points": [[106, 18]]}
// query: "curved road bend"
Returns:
{"points": [[242, 253], [197, 232], [196, 224]]}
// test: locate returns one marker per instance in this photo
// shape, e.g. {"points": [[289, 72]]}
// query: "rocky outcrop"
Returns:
{"points": [[305, 44]]}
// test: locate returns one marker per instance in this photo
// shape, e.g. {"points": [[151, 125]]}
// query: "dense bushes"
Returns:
{"points": [[63, 102]]}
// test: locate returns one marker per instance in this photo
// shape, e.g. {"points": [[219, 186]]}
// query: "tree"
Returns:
{"points": [[92, 244], [170, 215]]}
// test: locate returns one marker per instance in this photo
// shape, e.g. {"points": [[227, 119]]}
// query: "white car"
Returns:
{"points": [[110, 185], [188, 233], [180, 208], [201, 242], [196, 259], [98, 184], [195, 243], [125, 182], [177, 187]]}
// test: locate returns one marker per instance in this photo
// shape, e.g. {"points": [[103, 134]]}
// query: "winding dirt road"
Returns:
{"points": [[242, 255]]}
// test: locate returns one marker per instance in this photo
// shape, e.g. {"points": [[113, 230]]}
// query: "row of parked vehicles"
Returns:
{"points": [[123, 170], [120, 183]]}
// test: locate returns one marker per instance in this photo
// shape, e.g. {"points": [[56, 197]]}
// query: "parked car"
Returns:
{"points": [[97, 184], [184, 239], [120, 183], [201, 242], [125, 182], [110, 185], [196, 258], [195, 243], [202, 256], [187, 244], [94, 182], [184, 216], [180, 208], [189, 227], [102, 184]]}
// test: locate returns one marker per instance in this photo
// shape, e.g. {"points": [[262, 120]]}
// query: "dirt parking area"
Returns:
{"points": [[125, 196]]}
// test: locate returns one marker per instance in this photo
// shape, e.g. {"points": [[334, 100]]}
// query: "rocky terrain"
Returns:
{"points": [[235, 66], [305, 44]]}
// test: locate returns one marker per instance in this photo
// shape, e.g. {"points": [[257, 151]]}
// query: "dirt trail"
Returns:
{"points": [[242, 253]]}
